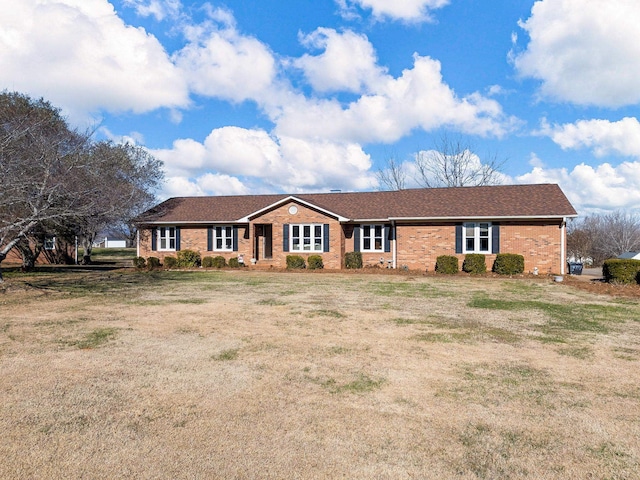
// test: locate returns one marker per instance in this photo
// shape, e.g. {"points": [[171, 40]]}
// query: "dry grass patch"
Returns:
{"points": [[238, 374]]}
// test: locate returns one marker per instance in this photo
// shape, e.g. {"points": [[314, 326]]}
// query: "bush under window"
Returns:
{"points": [[508, 264], [447, 264], [474, 263], [295, 262], [315, 262], [139, 262], [170, 262], [153, 262], [188, 258]]}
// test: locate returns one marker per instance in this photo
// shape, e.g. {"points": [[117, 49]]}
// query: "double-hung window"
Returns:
{"points": [[167, 238], [223, 238], [371, 238], [306, 238], [477, 237]]}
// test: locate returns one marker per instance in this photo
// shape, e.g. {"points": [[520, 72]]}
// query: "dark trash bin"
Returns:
{"points": [[575, 268]]}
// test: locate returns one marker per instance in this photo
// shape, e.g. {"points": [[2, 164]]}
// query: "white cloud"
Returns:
{"points": [[584, 51], [348, 62], [593, 189], [406, 10], [603, 137], [79, 54], [417, 99], [280, 164], [219, 62], [159, 9]]}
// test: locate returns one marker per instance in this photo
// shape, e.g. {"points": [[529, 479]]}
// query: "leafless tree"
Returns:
{"points": [[39, 154], [53, 177], [126, 178], [603, 236], [393, 176], [452, 162]]}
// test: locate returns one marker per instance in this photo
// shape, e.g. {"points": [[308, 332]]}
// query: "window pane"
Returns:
{"points": [[172, 243], [484, 244], [378, 245], [378, 229], [228, 244], [296, 231], [163, 243], [471, 244], [484, 229], [318, 231], [307, 230], [295, 244], [172, 232], [366, 244], [470, 229]]}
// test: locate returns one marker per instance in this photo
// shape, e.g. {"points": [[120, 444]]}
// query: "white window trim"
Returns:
{"points": [[223, 237], [301, 237], [476, 236], [168, 238], [372, 238]]}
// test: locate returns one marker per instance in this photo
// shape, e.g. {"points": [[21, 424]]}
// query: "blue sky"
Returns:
{"points": [[261, 96]]}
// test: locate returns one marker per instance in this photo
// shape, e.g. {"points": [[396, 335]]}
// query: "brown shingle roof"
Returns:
{"points": [[540, 200]]}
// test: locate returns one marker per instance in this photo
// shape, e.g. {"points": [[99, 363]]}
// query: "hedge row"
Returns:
{"points": [[474, 263], [618, 270]]}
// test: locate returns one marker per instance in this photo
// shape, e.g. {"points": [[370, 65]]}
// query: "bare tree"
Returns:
{"points": [[39, 154], [126, 178], [453, 163], [450, 163], [393, 176], [602, 236], [54, 178]]}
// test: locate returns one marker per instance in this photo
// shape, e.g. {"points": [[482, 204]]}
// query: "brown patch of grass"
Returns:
{"points": [[233, 374]]}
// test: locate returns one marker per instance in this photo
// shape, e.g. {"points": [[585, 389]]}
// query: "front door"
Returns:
{"points": [[263, 241]]}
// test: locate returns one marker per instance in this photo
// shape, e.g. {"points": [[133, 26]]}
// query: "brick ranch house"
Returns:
{"points": [[395, 229]]}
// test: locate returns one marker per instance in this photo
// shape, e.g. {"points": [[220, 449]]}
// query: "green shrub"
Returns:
{"points": [[474, 263], [188, 258], [139, 262], [508, 264], [170, 262], [315, 262], [447, 264], [153, 262], [353, 260], [219, 262], [207, 262], [295, 262], [618, 270], [233, 262]]}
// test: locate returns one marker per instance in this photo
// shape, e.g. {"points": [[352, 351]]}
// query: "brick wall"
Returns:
{"points": [[418, 246], [540, 244]]}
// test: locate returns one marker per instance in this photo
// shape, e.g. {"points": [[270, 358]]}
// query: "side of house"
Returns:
{"points": [[404, 229]]}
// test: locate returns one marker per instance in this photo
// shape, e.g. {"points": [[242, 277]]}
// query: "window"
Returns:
{"points": [[306, 238], [223, 238], [167, 238], [477, 238], [371, 238], [49, 243]]}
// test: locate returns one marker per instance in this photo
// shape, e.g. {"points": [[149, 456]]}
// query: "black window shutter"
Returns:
{"points": [[177, 238], [356, 238], [325, 237], [387, 238], [285, 237], [234, 238], [209, 239], [154, 239], [459, 238], [495, 238]]}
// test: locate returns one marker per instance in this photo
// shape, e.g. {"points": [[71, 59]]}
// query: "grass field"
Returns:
{"points": [[237, 374]]}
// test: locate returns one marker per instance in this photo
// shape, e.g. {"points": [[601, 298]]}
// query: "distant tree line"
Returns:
{"points": [[598, 237], [58, 181]]}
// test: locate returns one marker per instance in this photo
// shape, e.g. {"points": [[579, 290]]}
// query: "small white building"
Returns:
{"points": [[110, 243]]}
